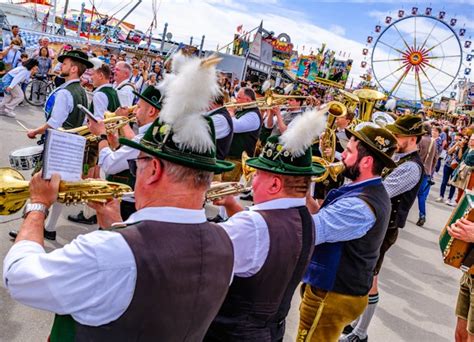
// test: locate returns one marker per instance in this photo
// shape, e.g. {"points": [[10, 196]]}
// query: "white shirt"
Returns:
{"points": [[92, 278], [221, 126], [113, 162], [20, 74], [249, 234], [246, 123], [63, 106], [125, 94], [101, 101]]}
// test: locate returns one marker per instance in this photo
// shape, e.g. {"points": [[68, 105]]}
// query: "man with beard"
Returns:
{"points": [[61, 111], [402, 184], [350, 227]]}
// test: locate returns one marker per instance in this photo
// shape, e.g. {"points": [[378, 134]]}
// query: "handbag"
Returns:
{"points": [[460, 176]]}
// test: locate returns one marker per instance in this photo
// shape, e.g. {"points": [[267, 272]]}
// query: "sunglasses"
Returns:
{"points": [[132, 165]]}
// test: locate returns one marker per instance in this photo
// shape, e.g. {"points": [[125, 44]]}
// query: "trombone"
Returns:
{"points": [[266, 102]]}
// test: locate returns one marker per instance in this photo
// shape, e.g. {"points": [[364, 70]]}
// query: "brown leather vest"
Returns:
{"points": [[183, 274]]}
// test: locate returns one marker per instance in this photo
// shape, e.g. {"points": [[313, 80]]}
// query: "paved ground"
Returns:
{"points": [[417, 291]]}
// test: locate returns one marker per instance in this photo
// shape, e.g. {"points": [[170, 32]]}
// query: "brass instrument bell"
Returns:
{"points": [[332, 169], [335, 110], [367, 100]]}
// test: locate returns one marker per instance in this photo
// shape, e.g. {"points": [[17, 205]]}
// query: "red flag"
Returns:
{"points": [[239, 29]]}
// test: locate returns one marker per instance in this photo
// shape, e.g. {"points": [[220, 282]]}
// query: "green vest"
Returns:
{"points": [[76, 117], [112, 99], [245, 141]]}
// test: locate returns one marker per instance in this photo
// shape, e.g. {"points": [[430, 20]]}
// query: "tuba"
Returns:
{"points": [[332, 169], [349, 100], [335, 110], [14, 191], [367, 100]]}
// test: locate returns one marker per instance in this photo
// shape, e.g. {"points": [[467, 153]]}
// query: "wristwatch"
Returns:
{"points": [[35, 207], [102, 137]]}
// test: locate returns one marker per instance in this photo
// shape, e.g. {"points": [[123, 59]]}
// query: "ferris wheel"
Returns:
{"points": [[417, 57]]}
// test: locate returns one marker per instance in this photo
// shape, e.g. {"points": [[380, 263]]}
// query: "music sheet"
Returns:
{"points": [[63, 154]]}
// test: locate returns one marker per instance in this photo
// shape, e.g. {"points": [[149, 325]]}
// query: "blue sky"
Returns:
{"points": [[343, 26]]}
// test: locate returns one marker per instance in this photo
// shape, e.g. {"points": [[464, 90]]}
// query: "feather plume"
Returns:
{"points": [[187, 98], [179, 59], [266, 85], [96, 62], [288, 88], [303, 130]]}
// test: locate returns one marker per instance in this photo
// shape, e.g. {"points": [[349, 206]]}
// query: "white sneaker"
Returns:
{"points": [[452, 203], [439, 199], [10, 114], [446, 201]]}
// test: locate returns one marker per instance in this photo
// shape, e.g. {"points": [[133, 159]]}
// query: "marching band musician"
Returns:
{"points": [[125, 89], [163, 275], [273, 240], [247, 124], [350, 227], [402, 184], [114, 162], [223, 125], [104, 99], [279, 121], [61, 111]]}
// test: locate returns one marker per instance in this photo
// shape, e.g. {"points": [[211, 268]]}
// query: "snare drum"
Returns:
{"points": [[26, 158]]}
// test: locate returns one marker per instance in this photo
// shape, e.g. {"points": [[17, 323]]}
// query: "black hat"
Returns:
{"points": [[407, 125], [78, 56], [152, 96]]}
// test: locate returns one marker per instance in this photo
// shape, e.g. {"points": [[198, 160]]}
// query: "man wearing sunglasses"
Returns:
{"points": [[161, 276]]}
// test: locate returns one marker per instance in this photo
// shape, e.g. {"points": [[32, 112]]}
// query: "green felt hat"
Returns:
{"points": [[378, 140], [407, 125], [274, 158], [78, 56], [158, 142], [152, 96]]}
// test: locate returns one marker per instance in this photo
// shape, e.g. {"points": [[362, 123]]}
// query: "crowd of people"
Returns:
{"points": [[167, 272]]}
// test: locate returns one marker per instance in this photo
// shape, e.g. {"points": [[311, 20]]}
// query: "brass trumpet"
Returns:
{"points": [[332, 169], [221, 189], [14, 191], [335, 110]]}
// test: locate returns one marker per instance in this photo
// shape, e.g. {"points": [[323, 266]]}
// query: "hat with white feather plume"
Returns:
{"points": [[290, 153], [182, 134]]}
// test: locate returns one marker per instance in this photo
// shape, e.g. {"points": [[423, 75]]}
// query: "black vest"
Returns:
{"points": [[223, 144], [183, 274], [245, 141], [347, 266], [402, 203], [256, 307], [356, 269]]}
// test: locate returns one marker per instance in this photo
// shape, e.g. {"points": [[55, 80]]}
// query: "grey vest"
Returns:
{"points": [[256, 307], [183, 274]]}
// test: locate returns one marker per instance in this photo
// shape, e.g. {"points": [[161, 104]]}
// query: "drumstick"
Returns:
{"points": [[24, 127]]}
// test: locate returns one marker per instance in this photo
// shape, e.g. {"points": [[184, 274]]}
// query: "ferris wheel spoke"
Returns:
{"points": [[438, 57], [436, 68], [429, 80], [389, 60], [414, 36], [417, 77], [441, 42], [393, 72], [400, 81], [403, 39], [391, 47], [429, 35]]}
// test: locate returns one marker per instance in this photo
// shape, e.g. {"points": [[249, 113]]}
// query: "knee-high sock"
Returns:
{"points": [[54, 214], [364, 320]]}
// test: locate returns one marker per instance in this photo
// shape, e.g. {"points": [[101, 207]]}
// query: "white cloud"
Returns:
{"points": [[337, 30]]}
